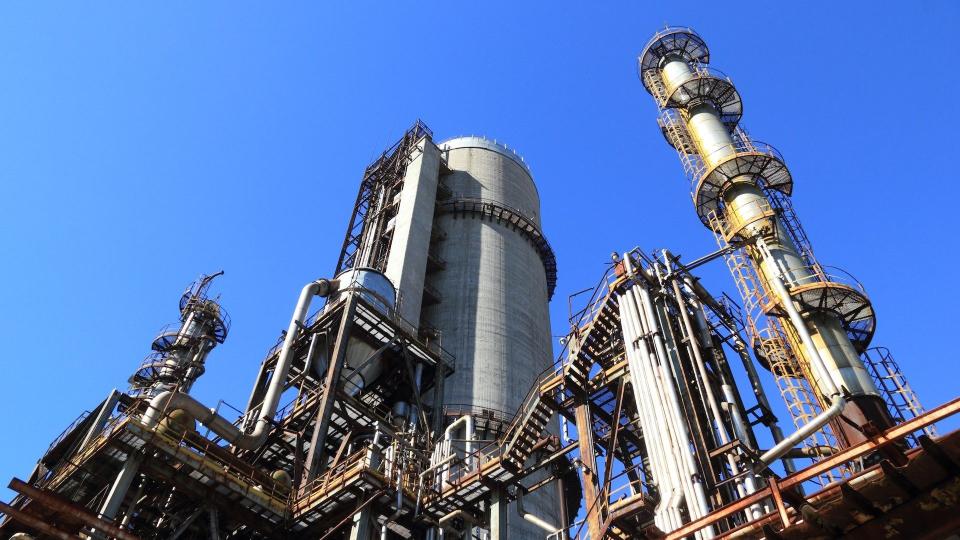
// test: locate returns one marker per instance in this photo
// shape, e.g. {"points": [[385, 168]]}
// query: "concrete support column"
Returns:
{"points": [[362, 527], [499, 509], [412, 226]]}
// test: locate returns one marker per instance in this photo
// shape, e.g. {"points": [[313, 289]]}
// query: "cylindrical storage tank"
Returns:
{"points": [[378, 291], [492, 309]]}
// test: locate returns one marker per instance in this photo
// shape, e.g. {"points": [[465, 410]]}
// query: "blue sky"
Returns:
{"points": [[143, 145]]}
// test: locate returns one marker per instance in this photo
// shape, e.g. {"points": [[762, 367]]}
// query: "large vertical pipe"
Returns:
{"points": [[499, 506], [672, 415], [665, 473]]}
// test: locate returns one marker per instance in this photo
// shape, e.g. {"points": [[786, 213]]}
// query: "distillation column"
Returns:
{"points": [[740, 190], [179, 355]]}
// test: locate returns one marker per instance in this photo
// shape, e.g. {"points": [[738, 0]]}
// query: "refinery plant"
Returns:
{"points": [[416, 392]]}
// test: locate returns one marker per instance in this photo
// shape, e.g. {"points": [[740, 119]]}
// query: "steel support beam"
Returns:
{"points": [[499, 506], [332, 381], [588, 468], [890, 436], [35, 523], [61, 505]]}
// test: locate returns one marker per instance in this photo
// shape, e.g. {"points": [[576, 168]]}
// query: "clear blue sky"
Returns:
{"points": [[143, 145]]}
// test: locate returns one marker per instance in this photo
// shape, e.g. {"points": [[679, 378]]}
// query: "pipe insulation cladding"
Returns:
{"points": [[494, 292]]}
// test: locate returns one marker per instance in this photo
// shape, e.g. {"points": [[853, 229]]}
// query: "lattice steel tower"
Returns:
{"points": [[808, 325]]}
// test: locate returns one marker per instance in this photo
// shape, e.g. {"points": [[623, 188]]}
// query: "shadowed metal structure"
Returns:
{"points": [[357, 422], [414, 392]]}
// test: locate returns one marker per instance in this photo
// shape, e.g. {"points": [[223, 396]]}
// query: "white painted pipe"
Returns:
{"points": [[658, 449], [837, 400], [532, 518], [827, 383], [651, 430], [467, 422], [797, 437], [698, 503], [672, 439]]}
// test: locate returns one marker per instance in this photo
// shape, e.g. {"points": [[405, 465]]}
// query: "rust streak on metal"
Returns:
{"points": [[59, 504], [890, 436], [35, 523]]}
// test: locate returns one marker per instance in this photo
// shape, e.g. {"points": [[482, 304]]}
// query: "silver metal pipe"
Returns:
{"points": [[214, 523], [683, 457], [657, 384], [837, 399], [693, 344], [645, 408], [170, 400], [795, 438], [826, 383], [740, 426]]}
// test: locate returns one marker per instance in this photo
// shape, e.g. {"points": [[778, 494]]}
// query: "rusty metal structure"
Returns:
{"points": [[349, 431], [414, 393]]}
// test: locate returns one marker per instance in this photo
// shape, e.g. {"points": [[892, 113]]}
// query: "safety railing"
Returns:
{"points": [[666, 96], [817, 273], [322, 483], [741, 144], [847, 455], [901, 400]]}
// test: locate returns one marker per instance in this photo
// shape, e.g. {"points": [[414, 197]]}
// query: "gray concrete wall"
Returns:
{"points": [[494, 315], [407, 263]]}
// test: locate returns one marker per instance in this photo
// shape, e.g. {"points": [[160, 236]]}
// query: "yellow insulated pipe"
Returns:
{"points": [[744, 202]]}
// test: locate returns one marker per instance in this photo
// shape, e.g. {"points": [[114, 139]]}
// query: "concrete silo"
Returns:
{"points": [[493, 292]]}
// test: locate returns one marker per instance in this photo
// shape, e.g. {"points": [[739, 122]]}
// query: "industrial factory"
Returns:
{"points": [[417, 392]]}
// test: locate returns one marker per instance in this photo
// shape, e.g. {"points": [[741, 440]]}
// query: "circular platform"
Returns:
{"points": [[761, 163], [708, 85], [208, 311], [829, 294], [672, 40]]}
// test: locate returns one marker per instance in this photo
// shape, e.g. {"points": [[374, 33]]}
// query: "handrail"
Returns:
{"points": [[890, 436]]}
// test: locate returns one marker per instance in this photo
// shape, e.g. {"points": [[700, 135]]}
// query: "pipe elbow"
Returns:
{"points": [[324, 287], [532, 518]]}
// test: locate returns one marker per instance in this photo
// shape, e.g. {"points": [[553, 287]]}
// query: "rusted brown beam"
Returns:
{"points": [[859, 501], [848, 454], [939, 455], [59, 504], [588, 477], [35, 523], [778, 502], [332, 381]]}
